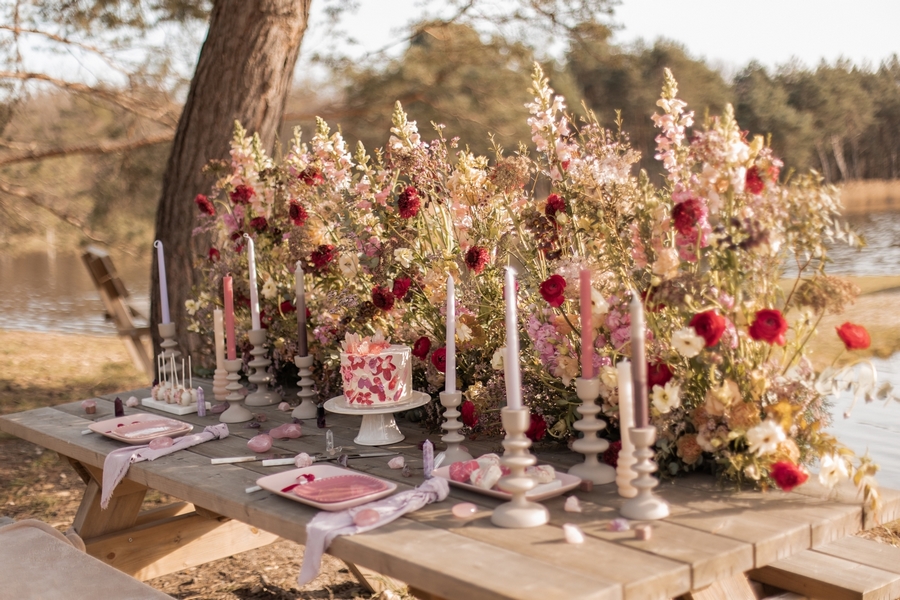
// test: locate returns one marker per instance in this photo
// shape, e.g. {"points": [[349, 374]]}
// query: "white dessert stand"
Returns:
{"points": [[378, 426]]}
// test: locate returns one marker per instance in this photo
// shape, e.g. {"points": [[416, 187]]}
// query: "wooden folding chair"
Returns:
{"points": [[118, 307]]}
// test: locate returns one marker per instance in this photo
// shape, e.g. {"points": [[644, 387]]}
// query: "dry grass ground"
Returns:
{"points": [[47, 369]]}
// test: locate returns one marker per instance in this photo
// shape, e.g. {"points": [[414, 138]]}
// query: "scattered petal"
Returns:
{"points": [[572, 504], [573, 534]]}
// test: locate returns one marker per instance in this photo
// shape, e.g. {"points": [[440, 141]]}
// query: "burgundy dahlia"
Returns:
{"points": [[297, 213], [477, 258], [382, 298], [408, 202], [311, 176], [242, 194], [754, 182], [322, 256], [259, 224], [555, 204], [206, 207], [401, 287]]}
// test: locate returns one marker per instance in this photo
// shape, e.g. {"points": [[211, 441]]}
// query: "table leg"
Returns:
{"points": [[151, 543]]}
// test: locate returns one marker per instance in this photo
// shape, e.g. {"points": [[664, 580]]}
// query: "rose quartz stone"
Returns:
{"points": [[260, 443], [572, 504], [398, 462], [303, 460], [366, 517], [161, 442], [132, 402], [464, 509], [573, 534], [284, 407], [288, 430]]}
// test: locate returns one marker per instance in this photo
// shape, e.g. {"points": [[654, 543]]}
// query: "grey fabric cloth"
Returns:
{"points": [[326, 526]]}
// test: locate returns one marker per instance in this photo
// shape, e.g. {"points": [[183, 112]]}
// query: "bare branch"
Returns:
{"points": [[133, 105], [64, 40], [24, 194], [101, 148]]}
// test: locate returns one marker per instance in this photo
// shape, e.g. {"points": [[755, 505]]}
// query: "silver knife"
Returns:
{"points": [[276, 462]]}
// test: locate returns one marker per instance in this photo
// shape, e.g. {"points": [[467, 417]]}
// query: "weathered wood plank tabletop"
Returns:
{"points": [[711, 535]]}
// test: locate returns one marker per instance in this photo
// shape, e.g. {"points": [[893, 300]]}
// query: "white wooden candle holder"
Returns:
{"points": [[518, 512], [235, 412], [590, 445], [307, 393], [453, 453], [220, 383], [169, 352], [263, 396], [645, 506], [625, 473]]}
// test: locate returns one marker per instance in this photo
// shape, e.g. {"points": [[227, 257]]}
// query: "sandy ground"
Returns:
{"points": [[38, 484]]}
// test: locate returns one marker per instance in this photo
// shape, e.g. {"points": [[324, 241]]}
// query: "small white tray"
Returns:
{"points": [[140, 428], [175, 409], [540, 492], [277, 482]]}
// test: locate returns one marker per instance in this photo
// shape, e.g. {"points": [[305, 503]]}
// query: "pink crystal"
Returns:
{"points": [[397, 462], [303, 460], [260, 443], [618, 525], [261, 418], [161, 442], [288, 430], [366, 517], [572, 504], [284, 407], [573, 534], [464, 509], [643, 532], [462, 471], [132, 402]]}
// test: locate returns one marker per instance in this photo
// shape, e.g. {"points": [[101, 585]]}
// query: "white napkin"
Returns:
{"points": [[118, 461], [326, 526]]}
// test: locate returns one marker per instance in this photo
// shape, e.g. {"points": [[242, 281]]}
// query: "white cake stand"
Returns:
{"points": [[378, 426]]}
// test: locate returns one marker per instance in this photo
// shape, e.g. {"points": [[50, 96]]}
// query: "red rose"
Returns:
{"points": [[213, 255], [439, 359], [205, 206], [311, 176], [687, 215], [855, 337], [537, 429], [755, 183], [259, 224], [555, 204], [553, 290], [408, 202], [469, 417], [401, 287], [242, 194], [787, 475], [658, 374], [321, 256], [611, 456], [288, 307], [769, 326], [477, 258], [297, 213], [421, 347], [382, 298], [710, 326]]}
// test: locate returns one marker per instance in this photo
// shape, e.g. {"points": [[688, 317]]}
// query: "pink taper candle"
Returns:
{"points": [[228, 288], [511, 364], [163, 286], [638, 362], [587, 326]]}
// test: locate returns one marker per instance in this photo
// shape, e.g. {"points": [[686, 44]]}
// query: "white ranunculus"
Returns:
{"points": [[599, 305], [833, 469], [666, 398], [687, 343], [609, 376], [764, 438], [404, 256], [269, 289], [497, 359], [349, 265]]}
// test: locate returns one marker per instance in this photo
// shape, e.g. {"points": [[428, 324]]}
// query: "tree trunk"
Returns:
{"points": [[823, 162], [244, 73], [837, 146]]}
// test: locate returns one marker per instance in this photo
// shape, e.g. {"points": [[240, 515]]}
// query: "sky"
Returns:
{"points": [[728, 34]]}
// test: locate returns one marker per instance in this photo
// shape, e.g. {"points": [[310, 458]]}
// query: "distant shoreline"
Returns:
{"points": [[870, 196]]}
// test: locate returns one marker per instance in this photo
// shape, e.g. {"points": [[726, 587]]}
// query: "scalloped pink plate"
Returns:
{"points": [[333, 488], [140, 428], [562, 484]]}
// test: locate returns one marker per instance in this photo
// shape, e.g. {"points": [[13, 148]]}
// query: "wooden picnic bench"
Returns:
{"points": [[119, 307], [702, 551]]}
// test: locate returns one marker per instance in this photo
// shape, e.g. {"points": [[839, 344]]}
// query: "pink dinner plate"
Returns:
{"points": [[333, 488], [140, 428], [562, 484]]}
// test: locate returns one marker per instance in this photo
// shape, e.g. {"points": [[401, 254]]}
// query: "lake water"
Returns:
{"points": [[40, 292]]}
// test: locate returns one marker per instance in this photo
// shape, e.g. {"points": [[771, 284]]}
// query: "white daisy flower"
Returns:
{"points": [[687, 343], [765, 437], [666, 398]]}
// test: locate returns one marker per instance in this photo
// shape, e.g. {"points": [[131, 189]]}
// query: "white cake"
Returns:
{"points": [[375, 373]]}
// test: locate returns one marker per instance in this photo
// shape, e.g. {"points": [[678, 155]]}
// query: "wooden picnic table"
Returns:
{"points": [[713, 536]]}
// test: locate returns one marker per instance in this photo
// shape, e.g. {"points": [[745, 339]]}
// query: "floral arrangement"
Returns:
{"points": [[728, 330]]}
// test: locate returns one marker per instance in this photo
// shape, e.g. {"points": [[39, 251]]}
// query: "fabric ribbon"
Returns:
{"points": [[326, 526], [118, 461]]}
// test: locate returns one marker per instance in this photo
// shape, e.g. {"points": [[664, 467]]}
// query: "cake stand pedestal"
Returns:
{"points": [[378, 426]]}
